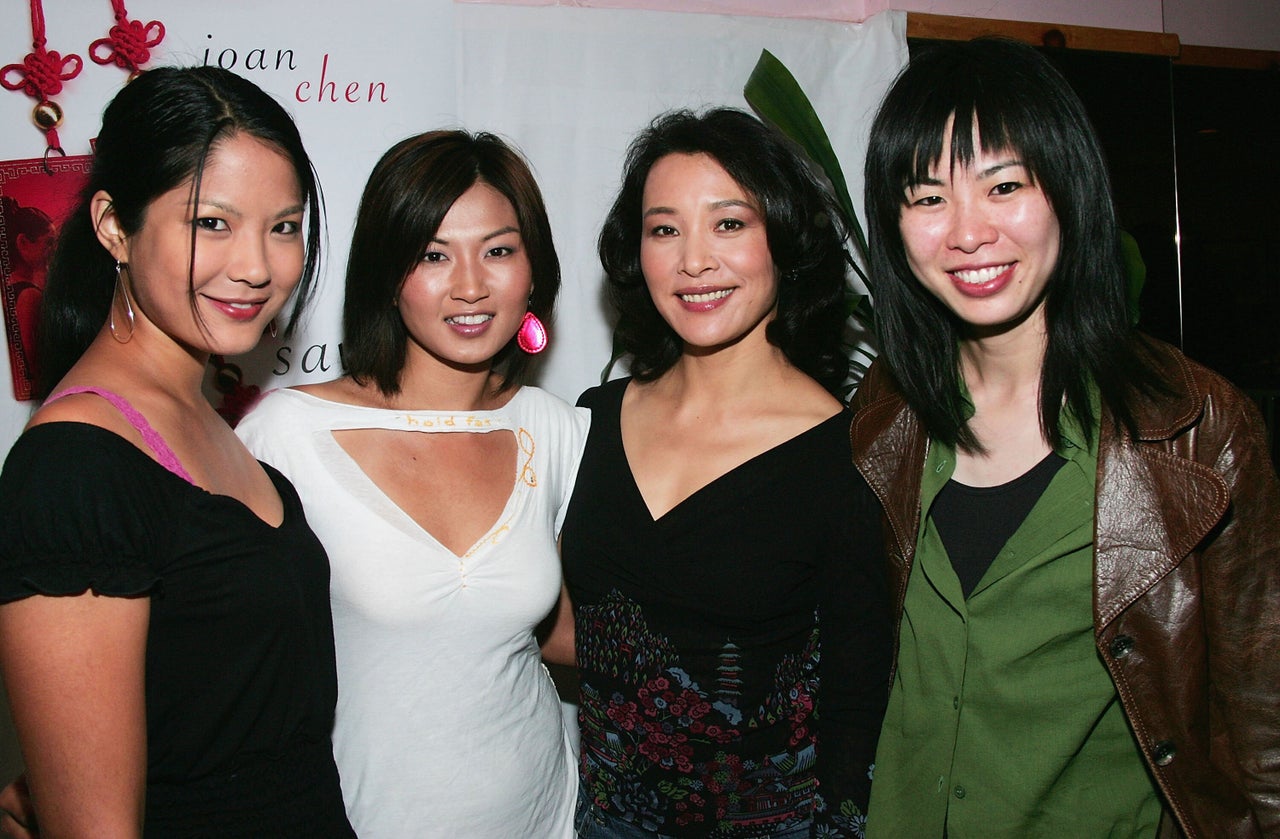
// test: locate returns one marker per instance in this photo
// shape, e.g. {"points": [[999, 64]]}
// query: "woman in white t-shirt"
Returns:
{"points": [[437, 484]]}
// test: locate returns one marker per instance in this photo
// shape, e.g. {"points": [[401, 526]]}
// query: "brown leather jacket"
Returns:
{"points": [[1186, 584]]}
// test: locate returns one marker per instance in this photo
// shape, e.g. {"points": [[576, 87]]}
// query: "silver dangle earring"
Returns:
{"points": [[121, 291], [271, 327]]}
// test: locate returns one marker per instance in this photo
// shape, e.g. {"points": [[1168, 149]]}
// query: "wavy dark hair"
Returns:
{"points": [[1015, 100], [804, 225], [407, 197], [157, 133]]}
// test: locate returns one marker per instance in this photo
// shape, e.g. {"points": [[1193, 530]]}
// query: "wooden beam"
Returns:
{"points": [[953, 28], [1236, 59]]}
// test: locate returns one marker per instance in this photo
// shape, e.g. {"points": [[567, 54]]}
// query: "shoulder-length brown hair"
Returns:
{"points": [[407, 197]]}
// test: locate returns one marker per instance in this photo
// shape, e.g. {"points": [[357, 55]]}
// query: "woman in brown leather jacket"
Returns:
{"points": [[1083, 525]]}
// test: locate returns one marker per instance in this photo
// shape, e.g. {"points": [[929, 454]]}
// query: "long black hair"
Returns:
{"points": [[157, 134], [803, 223], [1015, 100]]}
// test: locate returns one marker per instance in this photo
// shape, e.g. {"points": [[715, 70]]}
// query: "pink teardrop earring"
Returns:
{"points": [[532, 336]]}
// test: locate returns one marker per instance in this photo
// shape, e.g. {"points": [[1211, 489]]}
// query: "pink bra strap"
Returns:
{"points": [[164, 454]]}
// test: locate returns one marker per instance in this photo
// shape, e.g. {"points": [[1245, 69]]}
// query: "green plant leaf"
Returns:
{"points": [[1135, 271], [778, 98]]}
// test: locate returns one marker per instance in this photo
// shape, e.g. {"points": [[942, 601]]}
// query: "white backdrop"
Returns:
{"points": [[572, 86], [569, 86]]}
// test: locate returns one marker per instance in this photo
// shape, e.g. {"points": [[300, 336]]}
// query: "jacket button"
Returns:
{"points": [[1121, 646], [1163, 753], [959, 791]]}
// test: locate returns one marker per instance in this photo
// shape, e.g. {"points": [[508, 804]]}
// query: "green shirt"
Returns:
{"points": [[1003, 721]]}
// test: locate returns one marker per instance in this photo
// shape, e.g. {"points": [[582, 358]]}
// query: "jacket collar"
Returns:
{"points": [[885, 433], [889, 447], [1155, 501], [1163, 417], [1154, 505]]}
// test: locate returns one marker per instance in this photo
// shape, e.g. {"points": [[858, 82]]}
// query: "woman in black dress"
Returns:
{"points": [[165, 634], [720, 550]]}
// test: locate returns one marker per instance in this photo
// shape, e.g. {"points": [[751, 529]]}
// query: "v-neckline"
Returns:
{"points": [[380, 503], [486, 537], [724, 477]]}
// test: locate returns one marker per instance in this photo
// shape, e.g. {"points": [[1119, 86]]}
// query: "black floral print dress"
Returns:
{"points": [[734, 654]]}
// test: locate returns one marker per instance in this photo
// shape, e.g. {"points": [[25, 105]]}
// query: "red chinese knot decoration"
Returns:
{"points": [[128, 43], [40, 76], [41, 73]]}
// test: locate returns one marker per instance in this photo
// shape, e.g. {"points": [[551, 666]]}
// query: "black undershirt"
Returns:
{"points": [[974, 523]]}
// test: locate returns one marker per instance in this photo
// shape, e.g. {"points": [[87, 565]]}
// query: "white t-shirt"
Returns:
{"points": [[447, 724]]}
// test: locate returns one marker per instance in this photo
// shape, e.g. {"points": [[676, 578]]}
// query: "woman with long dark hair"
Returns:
{"points": [[721, 552], [165, 634], [1083, 525]]}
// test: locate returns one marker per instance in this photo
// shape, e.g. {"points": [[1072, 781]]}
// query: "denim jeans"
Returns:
{"points": [[593, 823]]}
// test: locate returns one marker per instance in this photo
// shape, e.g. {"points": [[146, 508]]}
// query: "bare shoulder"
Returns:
{"points": [[344, 390], [88, 408], [802, 402]]}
